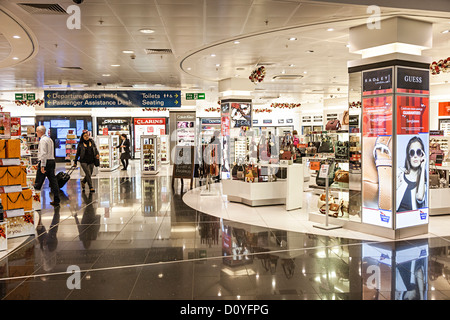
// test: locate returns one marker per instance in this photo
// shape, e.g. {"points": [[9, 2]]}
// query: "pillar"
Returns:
{"points": [[393, 87]]}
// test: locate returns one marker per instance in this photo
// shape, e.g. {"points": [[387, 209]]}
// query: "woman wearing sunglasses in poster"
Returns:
{"points": [[411, 179]]}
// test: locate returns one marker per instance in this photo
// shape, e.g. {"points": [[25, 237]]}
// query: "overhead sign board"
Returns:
{"points": [[112, 99], [195, 96]]}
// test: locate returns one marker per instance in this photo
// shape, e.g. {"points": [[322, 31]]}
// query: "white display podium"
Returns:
{"points": [[287, 191]]}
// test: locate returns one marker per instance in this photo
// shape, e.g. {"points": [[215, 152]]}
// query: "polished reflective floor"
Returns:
{"points": [[136, 239]]}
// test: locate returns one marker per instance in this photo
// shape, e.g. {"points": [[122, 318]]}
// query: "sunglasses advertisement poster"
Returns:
{"points": [[377, 161], [241, 114], [412, 180]]}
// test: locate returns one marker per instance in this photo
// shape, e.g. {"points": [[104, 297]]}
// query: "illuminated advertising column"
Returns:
{"points": [[377, 128], [395, 120], [412, 151]]}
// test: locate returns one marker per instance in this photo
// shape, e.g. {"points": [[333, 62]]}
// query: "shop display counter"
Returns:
{"points": [[287, 191]]}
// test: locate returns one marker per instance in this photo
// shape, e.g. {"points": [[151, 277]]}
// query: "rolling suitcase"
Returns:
{"points": [[63, 177]]}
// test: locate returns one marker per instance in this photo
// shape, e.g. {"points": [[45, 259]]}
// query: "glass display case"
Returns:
{"points": [[71, 147], [165, 145], [150, 154], [108, 147]]}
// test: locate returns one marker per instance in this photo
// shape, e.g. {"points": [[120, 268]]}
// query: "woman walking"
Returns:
{"points": [[88, 155], [124, 148]]}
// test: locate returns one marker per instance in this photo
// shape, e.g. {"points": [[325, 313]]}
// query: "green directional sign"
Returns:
{"points": [[25, 96], [195, 96]]}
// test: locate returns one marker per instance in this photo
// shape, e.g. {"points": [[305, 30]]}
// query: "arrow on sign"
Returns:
{"points": [[176, 101], [48, 95], [176, 95]]}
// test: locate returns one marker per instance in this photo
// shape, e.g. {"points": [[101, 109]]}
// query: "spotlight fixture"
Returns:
{"points": [[292, 39]]}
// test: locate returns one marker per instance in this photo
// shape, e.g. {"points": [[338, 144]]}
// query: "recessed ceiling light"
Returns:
{"points": [[330, 29], [146, 31], [16, 37], [445, 31], [106, 75], [237, 42], [128, 51], [15, 58], [213, 55], [292, 39], [218, 65], [292, 65], [305, 72], [189, 68], [347, 45], [115, 65]]}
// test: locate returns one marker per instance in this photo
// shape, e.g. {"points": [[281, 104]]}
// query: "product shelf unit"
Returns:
{"points": [[165, 145], [109, 153], [151, 156], [71, 148]]}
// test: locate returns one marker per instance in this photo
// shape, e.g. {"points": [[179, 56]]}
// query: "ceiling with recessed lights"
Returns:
{"points": [[193, 44]]}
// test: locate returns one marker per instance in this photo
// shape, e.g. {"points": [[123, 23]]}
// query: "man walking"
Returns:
{"points": [[46, 164]]}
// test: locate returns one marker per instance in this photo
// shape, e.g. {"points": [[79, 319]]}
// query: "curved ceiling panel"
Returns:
{"points": [[17, 43]]}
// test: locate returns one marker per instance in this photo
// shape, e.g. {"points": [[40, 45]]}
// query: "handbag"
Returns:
{"points": [[435, 150], [342, 176], [346, 118], [333, 125], [326, 146], [96, 162], [341, 150]]}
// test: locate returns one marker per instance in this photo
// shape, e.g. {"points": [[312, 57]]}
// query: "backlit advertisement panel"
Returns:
{"points": [[412, 161], [377, 161]]}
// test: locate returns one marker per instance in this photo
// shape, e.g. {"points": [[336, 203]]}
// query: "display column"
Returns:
{"points": [[394, 126], [236, 116]]}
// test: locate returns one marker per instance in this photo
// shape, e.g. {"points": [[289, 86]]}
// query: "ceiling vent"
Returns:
{"points": [[288, 77], [158, 51], [42, 8]]}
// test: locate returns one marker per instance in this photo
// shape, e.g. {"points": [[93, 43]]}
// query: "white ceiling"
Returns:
{"points": [[193, 30]]}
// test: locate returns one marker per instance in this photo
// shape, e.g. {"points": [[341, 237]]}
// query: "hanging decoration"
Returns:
{"points": [[442, 65], [258, 74], [154, 109], [354, 104], [286, 105], [212, 109], [262, 110], [29, 103]]}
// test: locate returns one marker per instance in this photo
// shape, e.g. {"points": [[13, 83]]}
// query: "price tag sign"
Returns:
{"points": [[323, 173]]}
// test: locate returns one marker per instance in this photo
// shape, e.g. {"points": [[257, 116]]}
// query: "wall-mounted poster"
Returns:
{"points": [[241, 114], [377, 174]]}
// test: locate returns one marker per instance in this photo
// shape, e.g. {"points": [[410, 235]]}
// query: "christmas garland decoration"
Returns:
{"points": [[354, 104], [258, 74], [262, 110], [29, 103], [212, 109], [154, 109], [286, 105], [442, 65]]}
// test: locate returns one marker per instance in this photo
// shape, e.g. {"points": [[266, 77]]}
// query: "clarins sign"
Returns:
{"points": [[149, 121]]}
